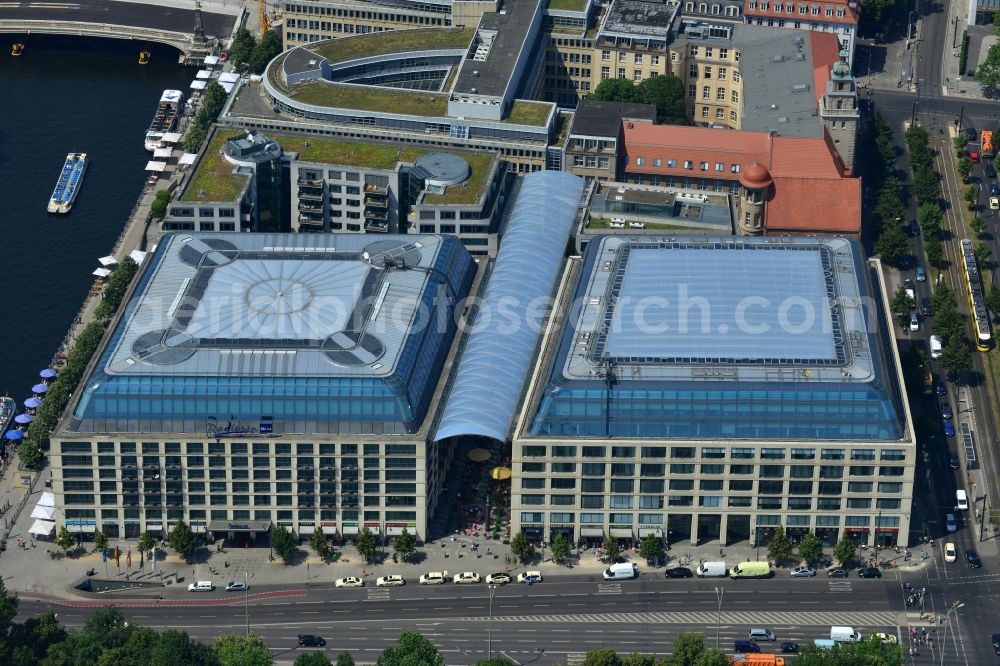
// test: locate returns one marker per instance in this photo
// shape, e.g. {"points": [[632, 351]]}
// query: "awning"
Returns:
{"points": [[655, 531], [107, 261], [211, 60], [500, 473], [163, 152], [203, 74], [138, 256], [393, 531], [198, 85], [101, 272], [350, 529], [47, 499], [43, 512], [153, 165], [329, 529], [239, 525], [229, 77], [591, 532], [88, 529], [42, 527], [228, 87], [187, 158], [171, 137], [198, 529], [621, 532]]}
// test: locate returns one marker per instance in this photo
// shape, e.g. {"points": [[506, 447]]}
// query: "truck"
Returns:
{"points": [[845, 635], [986, 144], [620, 571], [751, 570], [712, 570]]}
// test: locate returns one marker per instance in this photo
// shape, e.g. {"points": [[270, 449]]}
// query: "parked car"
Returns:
{"points": [[949, 428], [974, 156], [678, 572], [789, 648], [921, 274], [529, 577], [971, 133], [926, 309], [990, 171], [350, 581], [953, 461], [940, 389], [839, 572], [950, 554], [869, 572], [972, 557], [236, 586], [994, 189], [498, 578], [392, 580], [996, 643], [308, 640], [914, 229], [434, 578], [466, 577], [946, 411], [994, 203], [914, 322], [803, 572]]}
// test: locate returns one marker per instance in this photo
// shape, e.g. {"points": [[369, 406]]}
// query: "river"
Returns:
{"points": [[67, 94]]}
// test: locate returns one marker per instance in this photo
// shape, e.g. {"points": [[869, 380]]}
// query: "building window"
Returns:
{"points": [[732, 116], [605, 72], [720, 94], [706, 92], [692, 90], [736, 97], [606, 56], [708, 72]]}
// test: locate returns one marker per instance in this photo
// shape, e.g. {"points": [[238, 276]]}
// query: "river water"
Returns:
{"points": [[66, 95]]}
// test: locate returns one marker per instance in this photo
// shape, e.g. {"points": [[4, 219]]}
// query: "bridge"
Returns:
{"points": [[188, 28]]}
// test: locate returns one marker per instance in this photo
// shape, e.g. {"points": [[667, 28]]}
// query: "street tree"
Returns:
{"points": [[494, 661], [249, 650], [182, 540], [992, 296], [30, 455], [978, 225], [811, 549], [602, 657], [892, 244], [964, 164], [956, 357], [844, 551], [971, 196], [146, 543], [926, 186], [638, 659], [158, 209], [779, 548], [929, 218], [100, 541], [960, 142], [315, 659], [651, 549], [943, 297], [243, 45], [411, 649], [611, 549], [318, 543], [712, 657], [266, 49], [561, 548], [687, 648], [948, 324], [405, 544], [345, 659], [65, 540], [521, 547], [988, 73], [983, 254], [902, 305], [934, 249], [366, 545]]}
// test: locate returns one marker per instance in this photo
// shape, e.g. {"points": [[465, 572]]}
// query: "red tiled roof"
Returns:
{"points": [[815, 206], [825, 49], [850, 17]]}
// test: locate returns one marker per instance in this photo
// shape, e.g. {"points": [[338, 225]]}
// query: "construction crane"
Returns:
{"points": [[265, 23]]}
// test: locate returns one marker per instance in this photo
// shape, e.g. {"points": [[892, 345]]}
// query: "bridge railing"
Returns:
{"points": [[102, 29]]}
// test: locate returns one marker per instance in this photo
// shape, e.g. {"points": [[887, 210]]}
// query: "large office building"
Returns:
{"points": [[254, 380], [704, 388]]}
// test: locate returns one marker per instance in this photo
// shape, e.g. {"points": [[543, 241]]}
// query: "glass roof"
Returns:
{"points": [[833, 380]]}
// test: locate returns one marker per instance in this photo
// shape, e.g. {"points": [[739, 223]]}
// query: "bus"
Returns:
{"points": [[977, 304]]}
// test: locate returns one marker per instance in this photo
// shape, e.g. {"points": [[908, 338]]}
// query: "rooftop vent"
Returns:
{"points": [[472, 90], [800, 57], [800, 87], [778, 58], [774, 107], [312, 63]]}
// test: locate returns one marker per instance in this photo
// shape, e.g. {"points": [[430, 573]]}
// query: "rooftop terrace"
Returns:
{"points": [[371, 98], [213, 178], [392, 41]]}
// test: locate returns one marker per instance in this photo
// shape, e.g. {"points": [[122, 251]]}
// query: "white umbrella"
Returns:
{"points": [[188, 158], [137, 256], [171, 137], [163, 152], [211, 60], [42, 527], [101, 272], [107, 261], [198, 84], [43, 512], [47, 499], [153, 165], [228, 87], [203, 74], [229, 77]]}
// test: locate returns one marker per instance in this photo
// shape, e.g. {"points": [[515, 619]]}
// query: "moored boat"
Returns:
{"points": [[144, 57], [165, 118], [16, 49], [68, 185]]}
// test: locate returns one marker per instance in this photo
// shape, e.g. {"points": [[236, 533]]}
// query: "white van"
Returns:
{"points": [[712, 570], [844, 635], [622, 570], [935, 346], [201, 586], [962, 499]]}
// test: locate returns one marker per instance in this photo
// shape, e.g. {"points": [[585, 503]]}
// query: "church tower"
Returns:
{"points": [[839, 111]]}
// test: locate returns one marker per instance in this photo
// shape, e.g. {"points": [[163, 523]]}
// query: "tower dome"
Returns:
{"points": [[841, 69], [755, 176]]}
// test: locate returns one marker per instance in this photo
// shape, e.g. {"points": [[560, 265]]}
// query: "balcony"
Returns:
{"points": [[310, 195], [376, 190], [310, 182], [310, 207]]}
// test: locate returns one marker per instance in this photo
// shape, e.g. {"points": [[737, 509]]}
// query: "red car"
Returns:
{"points": [[974, 156]]}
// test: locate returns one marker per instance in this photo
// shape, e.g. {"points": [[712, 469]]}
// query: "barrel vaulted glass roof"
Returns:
{"points": [[766, 338], [315, 333], [497, 360]]}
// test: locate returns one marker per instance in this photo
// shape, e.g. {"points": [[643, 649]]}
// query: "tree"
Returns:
{"points": [[65, 540], [30, 455], [243, 45], [978, 224], [317, 659], [983, 254], [100, 541], [611, 549], [616, 90], [345, 659], [943, 297], [779, 548], [146, 543], [158, 209], [318, 543], [992, 295], [521, 548], [988, 73], [687, 647], [892, 244], [964, 164], [242, 651], [638, 659], [811, 549], [926, 186], [666, 93], [411, 649], [948, 324], [959, 142], [283, 543], [712, 657], [956, 357], [405, 544], [182, 540], [265, 51], [651, 549], [194, 138], [602, 657], [845, 550], [934, 249], [902, 305], [971, 196], [560, 548], [366, 545]]}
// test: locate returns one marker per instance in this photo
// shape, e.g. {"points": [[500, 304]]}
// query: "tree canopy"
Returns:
{"points": [[666, 93], [411, 649], [283, 543]]}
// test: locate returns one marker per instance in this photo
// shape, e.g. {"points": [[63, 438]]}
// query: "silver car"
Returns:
{"points": [[803, 572]]}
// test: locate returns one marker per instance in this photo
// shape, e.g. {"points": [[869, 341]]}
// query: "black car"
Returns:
{"points": [[789, 648], [953, 462], [946, 411], [926, 309], [940, 388], [996, 643], [914, 229], [678, 572], [990, 171], [869, 572], [308, 640], [973, 558], [838, 573]]}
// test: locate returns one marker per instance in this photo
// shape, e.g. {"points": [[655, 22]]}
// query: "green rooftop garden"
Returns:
{"points": [[523, 112], [370, 98], [393, 41], [468, 192], [348, 153], [214, 180], [568, 5]]}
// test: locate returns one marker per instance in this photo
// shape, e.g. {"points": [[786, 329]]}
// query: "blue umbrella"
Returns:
{"points": [[14, 435], [39, 388], [32, 403], [24, 419], [47, 373]]}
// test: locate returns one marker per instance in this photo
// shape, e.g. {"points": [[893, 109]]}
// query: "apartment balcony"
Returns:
{"points": [[309, 207], [310, 195], [310, 182], [376, 190], [376, 226]]}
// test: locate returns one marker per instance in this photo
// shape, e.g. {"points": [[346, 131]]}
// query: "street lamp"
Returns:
{"points": [[489, 630], [719, 592], [954, 607], [246, 599]]}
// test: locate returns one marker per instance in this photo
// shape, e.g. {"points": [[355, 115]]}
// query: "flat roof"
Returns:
{"points": [[390, 41], [214, 178], [504, 34], [597, 118], [639, 18], [702, 336], [260, 322]]}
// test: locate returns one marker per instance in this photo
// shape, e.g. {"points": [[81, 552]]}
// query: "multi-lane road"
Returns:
{"points": [[564, 617]]}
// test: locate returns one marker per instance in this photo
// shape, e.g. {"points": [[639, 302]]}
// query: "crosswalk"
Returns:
{"points": [[609, 588], [378, 594], [756, 618]]}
